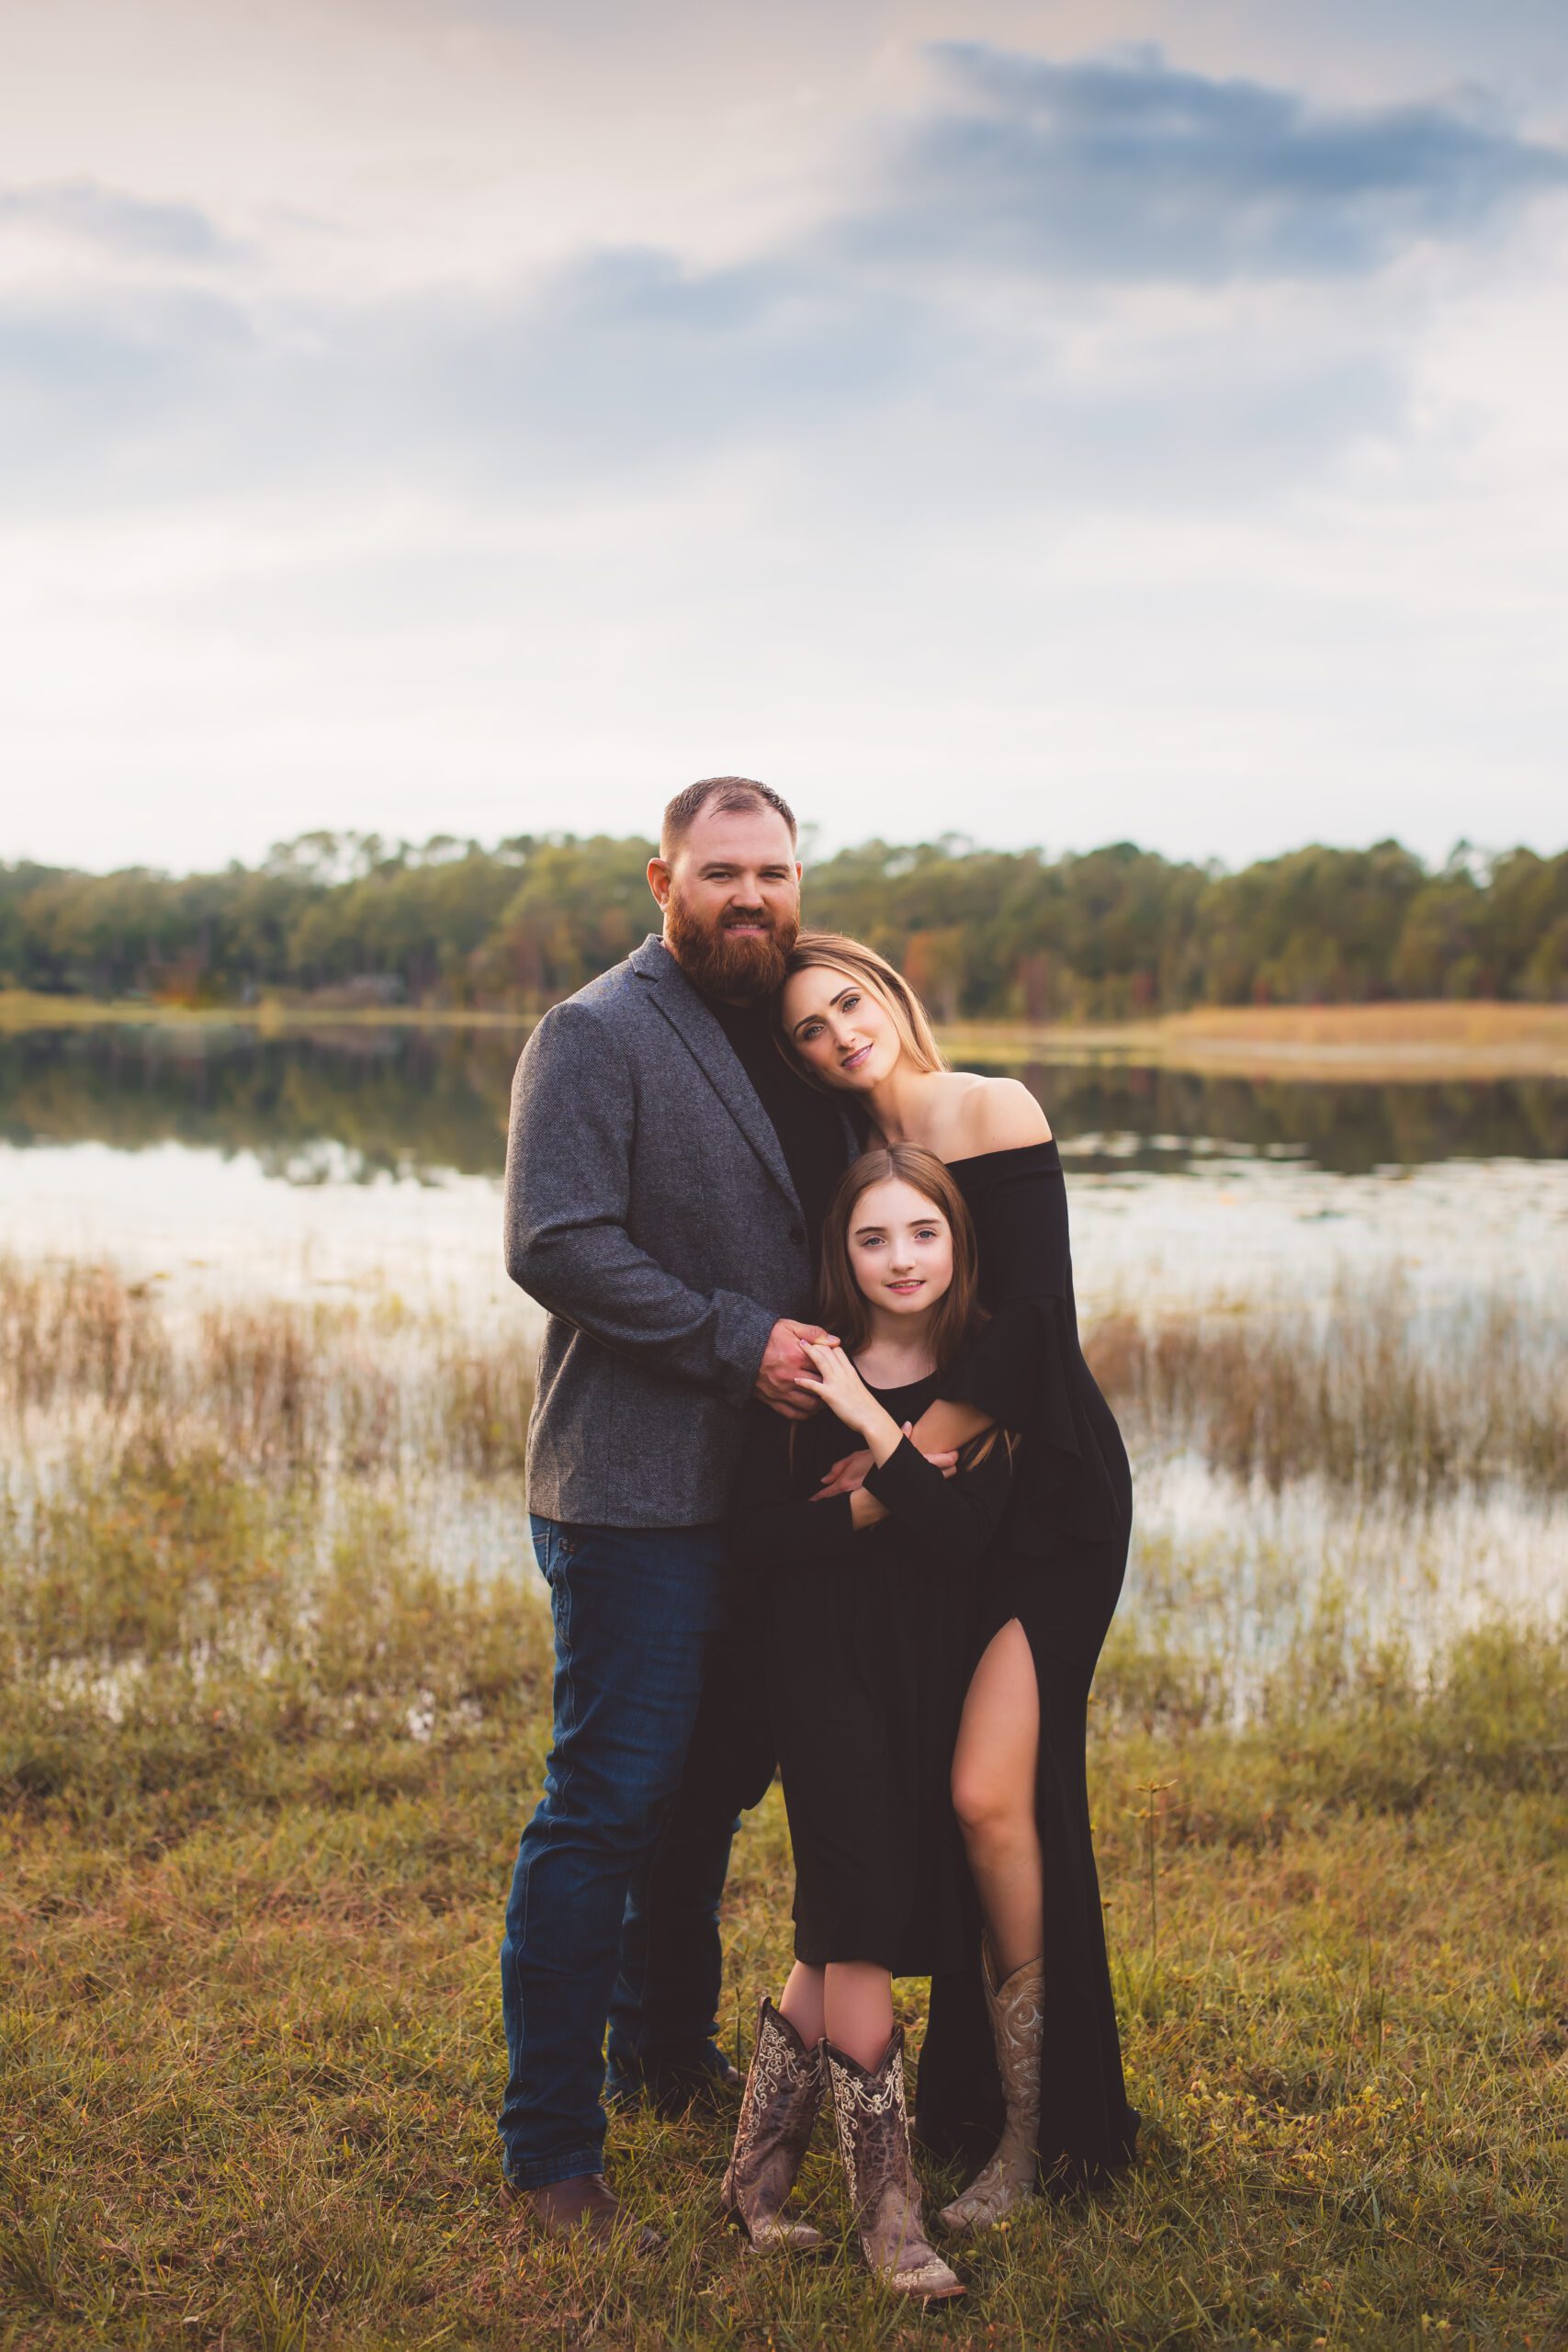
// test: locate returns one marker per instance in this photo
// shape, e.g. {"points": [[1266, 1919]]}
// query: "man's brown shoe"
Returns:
{"points": [[589, 2204]]}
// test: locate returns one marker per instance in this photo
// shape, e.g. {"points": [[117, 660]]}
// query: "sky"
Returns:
{"points": [[1050, 422]]}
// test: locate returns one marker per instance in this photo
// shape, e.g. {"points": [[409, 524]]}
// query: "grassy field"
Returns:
{"points": [[261, 1770], [1376, 1043]]}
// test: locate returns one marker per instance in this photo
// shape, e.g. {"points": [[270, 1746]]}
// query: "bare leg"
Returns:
{"points": [[993, 1794], [801, 2002], [858, 2008]]}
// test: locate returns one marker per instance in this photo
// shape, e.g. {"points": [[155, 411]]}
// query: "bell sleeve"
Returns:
{"points": [[1017, 1366], [1024, 1366]]}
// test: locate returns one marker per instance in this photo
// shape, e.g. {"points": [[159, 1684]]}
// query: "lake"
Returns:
{"points": [[361, 1169], [324, 1157]]}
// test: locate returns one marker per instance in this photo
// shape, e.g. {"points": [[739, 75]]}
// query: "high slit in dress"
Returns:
{"points": [[1056, 1564]]}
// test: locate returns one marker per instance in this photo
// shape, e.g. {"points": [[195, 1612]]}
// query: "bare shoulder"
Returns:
{"points": [[989, 1115]]}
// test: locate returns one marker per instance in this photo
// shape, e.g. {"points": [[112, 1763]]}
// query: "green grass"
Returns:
{"points": [[261, 1778]]}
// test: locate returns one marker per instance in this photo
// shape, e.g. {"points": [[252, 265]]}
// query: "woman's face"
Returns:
{"points": [[841, 1031], [900, 1248]]}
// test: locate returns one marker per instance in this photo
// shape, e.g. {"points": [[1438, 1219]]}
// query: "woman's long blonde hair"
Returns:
{"points": [[830, 951]]}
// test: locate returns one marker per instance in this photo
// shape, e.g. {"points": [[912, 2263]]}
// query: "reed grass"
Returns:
{"points": [[300, 1390], [1375, 1392]]}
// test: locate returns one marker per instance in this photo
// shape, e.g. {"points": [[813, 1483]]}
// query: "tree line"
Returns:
{"points": [[1102, 934]]}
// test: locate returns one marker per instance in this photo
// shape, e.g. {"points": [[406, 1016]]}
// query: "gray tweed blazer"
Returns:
{"points": [[649, 1210]]}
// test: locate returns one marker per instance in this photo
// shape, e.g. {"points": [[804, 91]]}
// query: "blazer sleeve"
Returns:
{"points": [[772, 1526], [951, 1520], [569, 1164]]}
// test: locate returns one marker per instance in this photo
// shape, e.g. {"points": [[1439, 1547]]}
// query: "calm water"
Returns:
{"points": [[217, 1157], [362, 1104]]}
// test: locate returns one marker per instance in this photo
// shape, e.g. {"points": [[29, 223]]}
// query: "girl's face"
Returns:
{"points": [[900, 1248], [840, 1031]]}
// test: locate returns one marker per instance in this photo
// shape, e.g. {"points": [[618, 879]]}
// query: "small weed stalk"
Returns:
{"points": [[1147, 1815]]}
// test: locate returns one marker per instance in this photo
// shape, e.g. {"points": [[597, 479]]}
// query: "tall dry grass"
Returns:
{"points": [[272, 1385], [1376, 1393]]}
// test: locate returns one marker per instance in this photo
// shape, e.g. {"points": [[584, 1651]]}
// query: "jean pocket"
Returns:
{"points": [[549, 1550]]}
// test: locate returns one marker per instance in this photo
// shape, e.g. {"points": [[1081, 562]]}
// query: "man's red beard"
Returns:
{"points": [[721, 962]]}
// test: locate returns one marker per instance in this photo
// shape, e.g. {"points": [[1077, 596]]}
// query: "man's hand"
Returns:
{"points": [[847, 1476], [783, 1361]]}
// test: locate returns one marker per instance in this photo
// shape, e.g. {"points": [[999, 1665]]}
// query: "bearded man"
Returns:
{"points": [[666, 1177]]}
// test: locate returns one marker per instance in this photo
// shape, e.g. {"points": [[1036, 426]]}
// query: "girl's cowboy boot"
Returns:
{"points": [[873, 2140], [778, 2107]]}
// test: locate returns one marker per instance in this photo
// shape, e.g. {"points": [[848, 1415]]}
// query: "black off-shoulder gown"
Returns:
{"points": [[1057, 1565], [864, 1641]]}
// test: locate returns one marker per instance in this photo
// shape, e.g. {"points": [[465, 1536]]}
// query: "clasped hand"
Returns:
{"points": [[783, 1361], [834, 1380]]}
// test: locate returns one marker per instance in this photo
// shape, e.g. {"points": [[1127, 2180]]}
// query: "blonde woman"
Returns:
{"points": [[1022, 2064]]}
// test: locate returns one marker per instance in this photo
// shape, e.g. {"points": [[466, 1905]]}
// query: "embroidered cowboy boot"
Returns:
{"points": [[873, 2126], [1018, 2024], [778, 2107]]}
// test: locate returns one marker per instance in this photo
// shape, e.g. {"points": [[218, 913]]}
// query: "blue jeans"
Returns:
{"points": [[636, 1613], [664, 2009]]}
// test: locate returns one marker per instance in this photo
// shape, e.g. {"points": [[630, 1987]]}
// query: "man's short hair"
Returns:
{"points": [[722, 792]]}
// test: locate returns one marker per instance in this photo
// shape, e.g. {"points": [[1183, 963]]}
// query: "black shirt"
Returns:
{"points": [[809, 1124]]}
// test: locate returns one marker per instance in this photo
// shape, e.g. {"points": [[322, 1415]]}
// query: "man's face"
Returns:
{"points": [[732, 900]]}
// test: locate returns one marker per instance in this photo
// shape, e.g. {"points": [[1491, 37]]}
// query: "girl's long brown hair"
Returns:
{"points": [[842, 1306]]}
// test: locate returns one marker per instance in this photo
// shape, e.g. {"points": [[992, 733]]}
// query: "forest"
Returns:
{"points": [[1110, 933]]}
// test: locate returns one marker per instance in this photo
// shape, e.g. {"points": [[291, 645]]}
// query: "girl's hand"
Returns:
{"points": [[845, 1476], [835, 1380]]}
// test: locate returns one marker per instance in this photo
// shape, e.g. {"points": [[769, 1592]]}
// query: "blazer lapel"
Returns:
{"points": [[692, 1022]]}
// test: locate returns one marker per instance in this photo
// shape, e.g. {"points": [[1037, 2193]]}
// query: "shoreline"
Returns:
{"points": [[1371, 1044]]}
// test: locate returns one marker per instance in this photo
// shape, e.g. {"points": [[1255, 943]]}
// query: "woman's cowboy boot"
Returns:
{"points": [[1018, 2024], [778, 2107], [873, 2140]]}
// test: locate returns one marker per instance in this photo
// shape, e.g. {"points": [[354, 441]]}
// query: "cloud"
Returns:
{"points": [[130, 227], [629, 374], [850, 354], [1122, 167]]}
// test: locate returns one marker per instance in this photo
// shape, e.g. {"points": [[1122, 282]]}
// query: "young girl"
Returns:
{"points": [[866, 1605]]}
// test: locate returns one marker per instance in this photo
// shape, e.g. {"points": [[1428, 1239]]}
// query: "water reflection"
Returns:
{"points": [[358, 1103], [354, 1102], [370, 1102]]}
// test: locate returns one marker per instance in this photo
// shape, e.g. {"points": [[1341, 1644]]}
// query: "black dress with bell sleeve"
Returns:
{"points": [[1057, 1568], [865, 1641]]}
